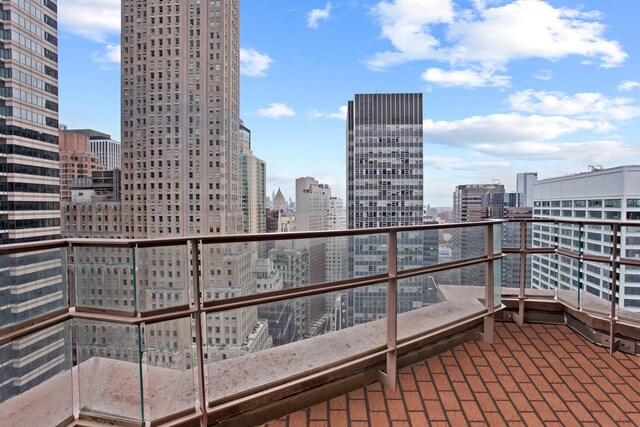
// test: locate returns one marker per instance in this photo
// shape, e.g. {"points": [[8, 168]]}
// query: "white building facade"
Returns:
{"points": [[604, 194]]}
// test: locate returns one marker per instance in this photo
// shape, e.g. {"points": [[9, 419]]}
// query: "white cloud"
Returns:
{"points": [[465, 78], [543, 75], [275, 110], [583, 105], [111, 55], [530, 137], [457, 163], [491, 35], [93, 19], [254, 63], [628, 85], [341, 114], [317, 15]]}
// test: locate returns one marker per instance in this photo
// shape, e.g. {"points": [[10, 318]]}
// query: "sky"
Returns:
{"points": [[508, 85]]}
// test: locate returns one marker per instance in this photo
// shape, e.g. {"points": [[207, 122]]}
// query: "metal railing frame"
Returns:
{"points": [[199, 308]]}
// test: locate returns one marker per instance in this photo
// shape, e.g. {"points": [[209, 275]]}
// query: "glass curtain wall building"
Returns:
{"points": [[31, 284], [384, 189]]}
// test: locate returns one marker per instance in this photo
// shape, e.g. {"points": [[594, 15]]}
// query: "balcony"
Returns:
{"points": [[134, 332]]}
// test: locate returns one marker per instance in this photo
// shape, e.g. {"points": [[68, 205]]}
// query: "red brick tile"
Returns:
{"points": [[565, 392], [530, 391], [434, 410], [298, 418], [624, 403], [449, 401], [603, 419], [318, 412], [393, 394], [435, 366], [487, 404], [508, 384], [402, 424], [508, 411], [357, 393], [374, 387], [463, 391], [614, 412], [455, 374], [521, 402], [357, 409], [472, 411], [338, 418], [421, 372], [555, 401], [379, 419], [277, 423], [497, 392], [494, 419], [456, 418], [487, 374], [339, 402], [359, 424], [407, 382], [397, 410], [567, 418], [418, 419], [531, 419], [376, 401], [441, 382], [476, 384], [318, 423], [427, 390], [413, 401], [544, 411], [541, 383]]}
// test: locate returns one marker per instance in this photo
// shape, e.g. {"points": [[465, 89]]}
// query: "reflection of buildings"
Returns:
{"points": [[474, 202], [384, 189], [33, 284], [601, 194]]}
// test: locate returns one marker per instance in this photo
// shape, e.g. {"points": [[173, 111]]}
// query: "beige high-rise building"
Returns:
{"points": [[76, 160], [181, 161]]}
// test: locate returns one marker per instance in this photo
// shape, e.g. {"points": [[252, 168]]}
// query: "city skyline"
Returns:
{"points": [[548, 104]]}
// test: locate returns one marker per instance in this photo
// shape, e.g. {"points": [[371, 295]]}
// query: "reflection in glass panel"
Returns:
{"points": [[168, 360], [109, 369], [32, 284], [456, 244], [36, 383], [285, 341], [104, 278], [162, 277]]}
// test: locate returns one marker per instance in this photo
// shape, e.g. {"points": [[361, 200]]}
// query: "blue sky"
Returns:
{"points": [[509, 86]]}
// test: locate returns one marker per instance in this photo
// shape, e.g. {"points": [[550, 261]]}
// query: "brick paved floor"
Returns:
{"points": [[531, 376]]}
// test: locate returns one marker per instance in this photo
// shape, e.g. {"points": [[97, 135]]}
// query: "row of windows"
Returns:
{"points": [[29, 44], [29, 61], [23, 95], [27, 187], [21, 224], [593, 203], [34, 11], [28, 79], [28, 115], [33, 28]]}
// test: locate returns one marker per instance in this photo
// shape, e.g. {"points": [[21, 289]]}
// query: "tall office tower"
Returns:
{"points": [[279, 202], [101, 144], [76, 161], [253, 186], [30, 284], [337, 260], [524, 186], [514, 210], [384, 189], [181, 170], [474, 202], [607, 194], [312, 206]]}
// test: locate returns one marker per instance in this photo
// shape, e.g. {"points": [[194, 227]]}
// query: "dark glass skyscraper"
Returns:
{"points": [[384, 189]]}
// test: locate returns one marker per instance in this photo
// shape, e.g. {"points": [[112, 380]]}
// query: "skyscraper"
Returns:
{"points": [[384, 189], [31, 284], [181, 168], [524, 186]]}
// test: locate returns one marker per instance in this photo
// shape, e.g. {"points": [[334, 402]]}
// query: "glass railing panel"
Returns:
{"points": [[570, 237], [510, 274], [163, 278], [36, 380], [497, 282], [629, 275], [455, 244], [543, 272], [595, 295], [168, 362], [497, 238], [109, 370], [543, 234], [32, 284], [252, 347], [231, 270], [510, 235], [597, 240], [104, 278]]}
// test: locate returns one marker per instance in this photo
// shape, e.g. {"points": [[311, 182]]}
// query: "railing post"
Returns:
{"points": [[487, 334], [197, 298], [389, 379], [519, 318], [613, 344]]}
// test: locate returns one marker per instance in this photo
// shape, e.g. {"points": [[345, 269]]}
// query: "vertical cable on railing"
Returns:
{"points": [[197, 296], [389, 378], [519, 318]]}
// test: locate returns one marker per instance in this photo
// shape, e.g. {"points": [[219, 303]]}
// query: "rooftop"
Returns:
{"points": [[532, 375]]}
